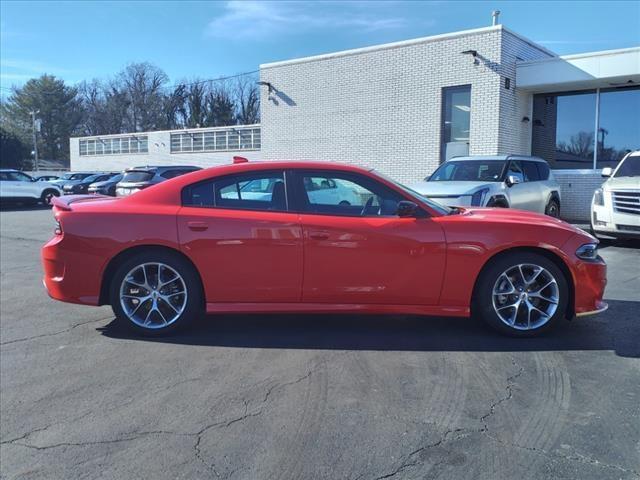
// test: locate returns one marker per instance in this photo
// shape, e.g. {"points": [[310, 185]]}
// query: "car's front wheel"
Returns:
{"points": [[552, 209], [47, 196], [156, 293], [521, 294]]}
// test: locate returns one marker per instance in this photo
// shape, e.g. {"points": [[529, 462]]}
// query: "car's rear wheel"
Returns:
{"points": [[156, 293], [553, 209], [521, 294], [47, 196]]}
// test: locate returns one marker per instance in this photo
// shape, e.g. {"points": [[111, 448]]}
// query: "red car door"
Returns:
{"points": [[358, 251], [239, 233]]}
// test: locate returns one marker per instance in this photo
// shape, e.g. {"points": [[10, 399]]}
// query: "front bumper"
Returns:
{"points": [[610, 223]]}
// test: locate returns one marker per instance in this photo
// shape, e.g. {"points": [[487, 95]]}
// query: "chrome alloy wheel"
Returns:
{"points": [[525, 296], [153, 295]]}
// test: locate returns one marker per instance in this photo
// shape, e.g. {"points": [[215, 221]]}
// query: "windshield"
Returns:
{"points": [[630, 167], [469, 171], [412, 193]]}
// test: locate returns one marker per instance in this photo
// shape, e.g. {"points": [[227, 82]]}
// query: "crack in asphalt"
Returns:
{"points": [[461, 432], [25, 339]]}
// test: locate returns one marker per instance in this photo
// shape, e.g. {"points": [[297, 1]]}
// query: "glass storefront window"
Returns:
{"points": [[619, 126], [456, 121], [563, 129]]}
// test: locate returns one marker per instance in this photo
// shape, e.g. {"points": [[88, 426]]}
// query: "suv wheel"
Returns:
{"points": [[156, 293], [521, 294], [553, 208], [47, 196]]}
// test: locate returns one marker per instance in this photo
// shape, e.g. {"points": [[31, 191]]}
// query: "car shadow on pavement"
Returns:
{"points": [[22, 207], [617, 330]]}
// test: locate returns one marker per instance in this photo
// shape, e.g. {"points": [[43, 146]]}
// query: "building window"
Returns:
{"points": [[232, 138], [619, 125], [114, 146], [456, 121], [565, 126]]}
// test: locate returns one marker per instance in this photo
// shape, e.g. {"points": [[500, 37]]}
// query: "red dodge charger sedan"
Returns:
{"points": [[315, 237]]}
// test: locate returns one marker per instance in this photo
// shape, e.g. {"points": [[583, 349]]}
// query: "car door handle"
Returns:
{"points": [[197, 226], [319, 235]]}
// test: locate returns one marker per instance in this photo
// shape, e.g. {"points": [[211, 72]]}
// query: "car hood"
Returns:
{"points": [[623, 182], [513, 216], [437, 189]]}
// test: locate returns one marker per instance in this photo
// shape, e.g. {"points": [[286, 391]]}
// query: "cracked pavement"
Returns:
{"points": [[315, 396]]}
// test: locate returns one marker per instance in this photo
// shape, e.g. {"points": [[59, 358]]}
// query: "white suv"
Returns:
{"points": [[615, 207], [507, 181], [20, 187]]}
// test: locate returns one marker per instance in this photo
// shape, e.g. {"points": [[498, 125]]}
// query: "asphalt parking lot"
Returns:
{"points": [[308, 397]]}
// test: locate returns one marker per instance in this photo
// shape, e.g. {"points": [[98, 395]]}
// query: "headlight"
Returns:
{"points": [[598, 197], [588, 251], [477, 199]]}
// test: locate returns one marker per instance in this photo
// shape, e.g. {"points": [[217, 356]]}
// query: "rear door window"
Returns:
{"points": [[250, 191], [531, 173], [543, 170]]}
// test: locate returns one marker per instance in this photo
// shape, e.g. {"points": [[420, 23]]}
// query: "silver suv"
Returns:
{"points": [[508, 181]]}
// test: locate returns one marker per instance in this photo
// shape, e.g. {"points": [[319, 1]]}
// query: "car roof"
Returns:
{"points": [[498, 157], [154, 168]]}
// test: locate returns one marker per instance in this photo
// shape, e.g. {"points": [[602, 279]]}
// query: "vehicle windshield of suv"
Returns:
{"points": [[76, 176], [630, 167], [469, 171], [135, 176]]}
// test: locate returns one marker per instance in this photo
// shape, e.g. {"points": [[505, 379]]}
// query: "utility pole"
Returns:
{"points": [[35, 140]]}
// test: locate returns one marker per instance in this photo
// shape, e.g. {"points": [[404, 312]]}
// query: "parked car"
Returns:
{"points": [[139, 178], [82, 186], [615, 207], [106, 187], [17, 186], [47, 178], [71, 177], [507, 181], [165, 255]]}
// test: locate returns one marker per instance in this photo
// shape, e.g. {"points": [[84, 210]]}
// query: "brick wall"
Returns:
{"points": [[577, 189], [381, 106]]}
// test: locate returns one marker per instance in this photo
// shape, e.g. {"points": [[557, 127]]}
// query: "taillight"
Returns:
{"points": [[58, 229]]}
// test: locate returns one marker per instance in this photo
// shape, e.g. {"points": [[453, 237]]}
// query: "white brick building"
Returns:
{"points": [[404, 107]]}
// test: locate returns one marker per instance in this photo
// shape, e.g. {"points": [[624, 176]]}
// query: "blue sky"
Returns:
{"points": [[84, 40]]}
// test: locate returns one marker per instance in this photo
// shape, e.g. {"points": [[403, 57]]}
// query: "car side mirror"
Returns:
{"points": [[406, 209], [606, 171], [512, 180]]}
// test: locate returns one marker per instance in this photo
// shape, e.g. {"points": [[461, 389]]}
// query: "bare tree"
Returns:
{"points": [[247, 97], [220, 106], [143, 84]]}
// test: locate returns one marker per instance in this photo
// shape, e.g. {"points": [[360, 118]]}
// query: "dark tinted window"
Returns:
{"points": [[543, 170], [630, 167], [253, 191], [137, 176], [531, 173], [173, 173], [340, 193], [619, 127]]}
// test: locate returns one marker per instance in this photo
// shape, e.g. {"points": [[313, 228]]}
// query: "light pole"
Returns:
{"points": [[35, 141]]}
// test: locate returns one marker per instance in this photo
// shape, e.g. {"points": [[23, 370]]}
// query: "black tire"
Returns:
{"points": [[483, 298], [193, 306], [497, 204], [553, 208], [48, 195]]}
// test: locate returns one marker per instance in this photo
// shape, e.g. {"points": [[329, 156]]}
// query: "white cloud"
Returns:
{"points": [[258, 20]]}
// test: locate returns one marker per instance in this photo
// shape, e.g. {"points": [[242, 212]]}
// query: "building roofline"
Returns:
{"points": [[175, 130], [405, 43], [576, 56]]}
